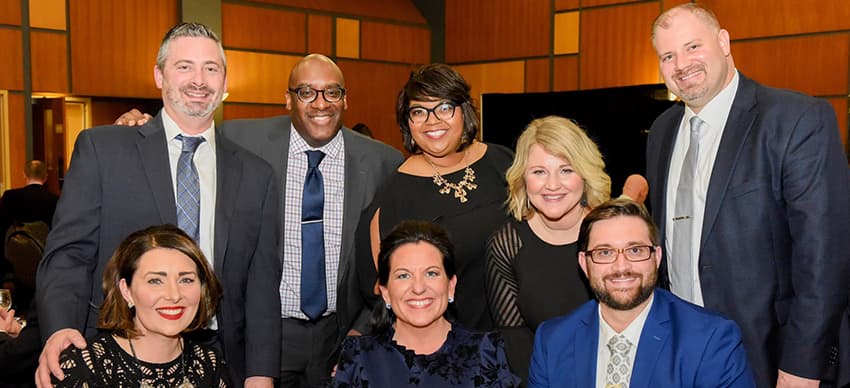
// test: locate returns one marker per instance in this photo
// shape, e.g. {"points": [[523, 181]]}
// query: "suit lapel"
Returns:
{"points": [[153, 152], [587, 337], [738, 127], [355, 187], [228, 169], [655, 334], [668, 139]]}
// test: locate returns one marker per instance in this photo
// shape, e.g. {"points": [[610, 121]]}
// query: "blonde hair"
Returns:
{"points": [[565, 139]]}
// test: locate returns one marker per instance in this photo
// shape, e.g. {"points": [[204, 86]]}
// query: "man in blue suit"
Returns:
{"points": [[634, 335], [764, 240]]}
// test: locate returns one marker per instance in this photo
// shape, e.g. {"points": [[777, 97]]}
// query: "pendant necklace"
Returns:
{"points": [[460, 188], [144, 384]]}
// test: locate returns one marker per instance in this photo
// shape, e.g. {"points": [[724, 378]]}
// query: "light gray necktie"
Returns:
{"points": [[682, 281], [188, 188], [618, 373]]}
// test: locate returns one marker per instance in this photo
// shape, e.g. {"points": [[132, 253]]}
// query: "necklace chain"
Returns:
{"points": [[460, 188], [144, 384]]}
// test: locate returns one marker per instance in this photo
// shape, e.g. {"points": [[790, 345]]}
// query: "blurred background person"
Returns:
{"points": [[158, 286], [413, 341], [20, 344], [362, 129], [556, 178]]}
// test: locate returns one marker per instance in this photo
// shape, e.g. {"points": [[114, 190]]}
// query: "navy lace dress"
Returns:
{"points": [[466, 359]]}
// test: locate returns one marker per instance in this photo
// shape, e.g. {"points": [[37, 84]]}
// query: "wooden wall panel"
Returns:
{"points": [[49, 62], [259, 28], [372, 94], [667, 4], [615, 46], [48, 14], [566, 74], [10, 12], [320, 36], [257, 77], [840, 106], [779, 63], [497, 77], [395, 43], [536, 75], [594, 3], [480, 30], [747, 19], [251, 111], [12, 62], [400, 10], [566, 33], [565, 5], [114, 45], [347, 38], [17, 139], [104, 111]]}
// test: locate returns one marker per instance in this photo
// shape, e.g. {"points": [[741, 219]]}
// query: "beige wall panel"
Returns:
{"points": [[12, 75], [261, 28], [840, 106], [748, 19], [781, 63], [114, 45], [10, 12], [481, 30], [251, 111], [498, 77], [347, 38], [47, 14], [395, 43], [536, 75], [400, 10], [566, 33], [615, 46], [49, 62], [257, 77], [566, 74], [319, 38]]}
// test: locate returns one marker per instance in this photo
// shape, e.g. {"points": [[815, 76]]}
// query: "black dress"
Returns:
{"points": [[466, 359], [470, 224], [530, 281], [104, 364]]}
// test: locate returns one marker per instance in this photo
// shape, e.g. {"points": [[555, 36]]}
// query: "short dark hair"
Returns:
{"points": [[615, 208], [437, 81], [35, 169], [190, 30], [410, 232], [115, 315]]}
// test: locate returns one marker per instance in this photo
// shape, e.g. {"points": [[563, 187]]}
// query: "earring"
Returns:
{"points": [[130, 305], [451, 299], [583, 199], [389, 306]]}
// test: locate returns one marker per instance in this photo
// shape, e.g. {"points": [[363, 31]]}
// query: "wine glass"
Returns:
{"points": [[5, 299]]}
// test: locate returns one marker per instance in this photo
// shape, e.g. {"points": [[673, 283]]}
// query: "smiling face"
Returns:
{"points": [[437, 138], [192, 79], [165, 290], [694, 57], [418, 288], [553, 186], [621, 285], [318, 121]]}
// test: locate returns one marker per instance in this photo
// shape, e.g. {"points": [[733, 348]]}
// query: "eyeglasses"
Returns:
{"points": [[444, 111], [307, 94], [609, 255]]}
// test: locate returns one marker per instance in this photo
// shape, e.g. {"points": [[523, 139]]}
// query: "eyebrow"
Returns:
{"points": [[628, 244], [163, 273]]}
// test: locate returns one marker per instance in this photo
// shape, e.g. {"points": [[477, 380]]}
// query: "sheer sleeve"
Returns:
{"points": [[346, 368], [78, 368], [501, 282]]}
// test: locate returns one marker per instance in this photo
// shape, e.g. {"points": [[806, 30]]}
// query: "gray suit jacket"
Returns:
{"points": [[120, 182], [367, 165]]}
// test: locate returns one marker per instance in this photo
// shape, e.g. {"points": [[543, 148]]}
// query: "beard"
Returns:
{"points": [[619, 300], [193, 109]]}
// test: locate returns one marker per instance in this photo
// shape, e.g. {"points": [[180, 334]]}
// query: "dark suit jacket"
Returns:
{"points": [[681, 345], [367, 165], [774, 252], [27, 204], [120, 182]]}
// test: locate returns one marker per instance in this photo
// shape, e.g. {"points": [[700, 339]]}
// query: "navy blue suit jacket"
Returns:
{"points": [[774, 254], [681, 345]]}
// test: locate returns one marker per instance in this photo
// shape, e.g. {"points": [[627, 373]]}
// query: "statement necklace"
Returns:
{"points": [[460, 188], [144, 384]]}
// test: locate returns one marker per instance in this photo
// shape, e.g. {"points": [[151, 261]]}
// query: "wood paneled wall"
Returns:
{"points": [[588, 44]]}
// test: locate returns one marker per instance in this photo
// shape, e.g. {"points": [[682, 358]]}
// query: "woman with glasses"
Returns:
{"points": [[450, 178], [533, 275]]}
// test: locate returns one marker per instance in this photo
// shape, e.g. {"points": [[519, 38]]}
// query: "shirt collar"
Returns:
{"points": [[298, 145], [172, 129], [632, 331]]}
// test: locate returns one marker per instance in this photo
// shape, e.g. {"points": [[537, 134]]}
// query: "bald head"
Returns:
{"points": [[318, 120], [314, 60], [35, 171], [703, 14]]}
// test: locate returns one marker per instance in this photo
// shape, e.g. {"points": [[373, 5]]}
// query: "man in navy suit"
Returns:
{"points": [[634, 335], [766, 234]]}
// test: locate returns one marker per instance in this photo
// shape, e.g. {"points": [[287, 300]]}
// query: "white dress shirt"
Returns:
{"points": [[606, 332]]}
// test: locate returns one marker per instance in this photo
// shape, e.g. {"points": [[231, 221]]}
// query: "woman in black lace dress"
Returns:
{"points": [[414, 345], [157, 286]]}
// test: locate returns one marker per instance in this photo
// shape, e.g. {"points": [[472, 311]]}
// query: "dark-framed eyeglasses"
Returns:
{"points": [[609, 255], [307, 94], [443, 111]]}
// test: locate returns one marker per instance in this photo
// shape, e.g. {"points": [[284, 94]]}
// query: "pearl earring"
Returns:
{"points": [[389, 306], [451, 299]]}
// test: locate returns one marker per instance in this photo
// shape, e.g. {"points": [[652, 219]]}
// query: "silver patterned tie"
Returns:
{"points": [[681, 278], [618, 372], [188, 188]]}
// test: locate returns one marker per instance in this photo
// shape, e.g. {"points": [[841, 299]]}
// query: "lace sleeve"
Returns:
{"points": [[501, 281], [78, 368]]}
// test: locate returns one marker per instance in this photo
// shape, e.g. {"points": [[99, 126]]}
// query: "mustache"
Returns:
{"points": [[191, 88], [688, 70], [622, 274]]}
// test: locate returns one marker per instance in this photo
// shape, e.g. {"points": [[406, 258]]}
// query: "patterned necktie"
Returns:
{"points": [[618, 372], [314, 298], [681, 277], [188, 188]]}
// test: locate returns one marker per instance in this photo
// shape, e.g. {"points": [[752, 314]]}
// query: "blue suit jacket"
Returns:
{"points": [[774, 254], [681, 345]]}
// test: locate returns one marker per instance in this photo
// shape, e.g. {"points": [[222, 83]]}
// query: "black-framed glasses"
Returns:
{"points": [[307, 94], [443, 111], [609, 255]]}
